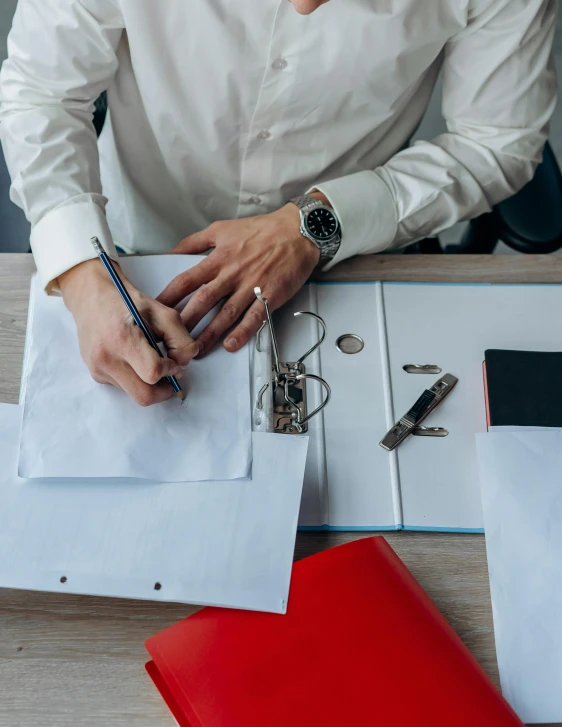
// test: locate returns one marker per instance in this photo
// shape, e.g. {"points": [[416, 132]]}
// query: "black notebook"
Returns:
{"points": [[523, 388]]}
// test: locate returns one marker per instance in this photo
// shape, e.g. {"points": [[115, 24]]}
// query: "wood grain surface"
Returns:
{"points": [[449, 269], [76, 661]]}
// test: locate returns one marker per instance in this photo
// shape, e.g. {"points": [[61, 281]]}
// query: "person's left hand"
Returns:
{"points": [[267, 251]]}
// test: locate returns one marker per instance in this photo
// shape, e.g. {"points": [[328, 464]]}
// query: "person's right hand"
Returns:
{"points": [[113, 347]]}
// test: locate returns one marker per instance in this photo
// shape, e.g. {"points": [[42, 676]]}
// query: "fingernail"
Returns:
{"points": [[231, 343], [200, 346]]}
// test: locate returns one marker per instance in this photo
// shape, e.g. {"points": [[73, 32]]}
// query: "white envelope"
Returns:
{"points": [[208, 543], [521, 484], [74, 427]]}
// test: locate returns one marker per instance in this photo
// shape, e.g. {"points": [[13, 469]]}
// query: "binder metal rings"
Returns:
{"points": [[290, 415]]}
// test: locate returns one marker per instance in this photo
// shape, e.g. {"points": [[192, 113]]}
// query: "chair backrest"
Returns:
{"points": [[14, 228], [531, 220], [100, 112]]}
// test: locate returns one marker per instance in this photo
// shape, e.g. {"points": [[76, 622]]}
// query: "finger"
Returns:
{"points": [[230, 312], [147, 364], [168, 325], [102, 377], [141, 392], [203, 301], [197, 243], [185, 283], [247, 328]]}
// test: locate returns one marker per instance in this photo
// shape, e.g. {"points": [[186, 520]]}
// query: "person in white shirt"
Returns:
{"points": [[221, 112]]}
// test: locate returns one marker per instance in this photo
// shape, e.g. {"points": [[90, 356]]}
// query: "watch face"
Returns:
{"points": [[322, 223]]}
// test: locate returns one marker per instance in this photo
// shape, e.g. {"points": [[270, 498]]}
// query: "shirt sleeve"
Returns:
{"points": [[48, 86], [499, 92]]}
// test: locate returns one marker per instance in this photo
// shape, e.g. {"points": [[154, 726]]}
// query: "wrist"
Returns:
{"points": [[293, 221], [82, 279], [70, 279], [322, 197]]}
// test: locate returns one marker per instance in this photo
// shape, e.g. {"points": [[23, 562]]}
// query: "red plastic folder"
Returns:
{"points": [[361, 644]]}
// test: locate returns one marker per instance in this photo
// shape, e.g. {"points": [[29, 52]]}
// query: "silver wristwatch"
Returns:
{"points": [[319, 223]]}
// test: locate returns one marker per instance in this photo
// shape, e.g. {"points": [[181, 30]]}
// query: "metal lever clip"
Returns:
{"points": [[426, 403]]}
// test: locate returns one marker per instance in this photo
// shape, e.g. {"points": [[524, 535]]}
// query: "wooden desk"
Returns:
{"points": [[75, 661]]}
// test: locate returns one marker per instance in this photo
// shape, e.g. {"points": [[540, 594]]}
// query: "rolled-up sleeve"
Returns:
{"points": [[48, 86], [499, 92]]}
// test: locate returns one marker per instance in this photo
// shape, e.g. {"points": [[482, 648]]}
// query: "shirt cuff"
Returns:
{"points": [[366, 210], [61, 240]]}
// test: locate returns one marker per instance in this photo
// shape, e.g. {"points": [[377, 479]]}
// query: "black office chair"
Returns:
{"points": [[14, 228], [529, 222], [100, 112]]}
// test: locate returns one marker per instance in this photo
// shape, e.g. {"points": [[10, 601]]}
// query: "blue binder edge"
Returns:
{"points": [[383, 528], [350, 529], [444, 285], [414, 282]]}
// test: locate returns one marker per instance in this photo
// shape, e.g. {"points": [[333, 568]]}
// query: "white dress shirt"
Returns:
{"points": [[227, 108]]}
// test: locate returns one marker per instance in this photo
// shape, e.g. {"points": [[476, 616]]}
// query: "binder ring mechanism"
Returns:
{"points": [[290, 415]]}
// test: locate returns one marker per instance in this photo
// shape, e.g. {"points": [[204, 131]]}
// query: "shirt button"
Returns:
{"points": [[263, 135], [254, 200], [279, 64]]}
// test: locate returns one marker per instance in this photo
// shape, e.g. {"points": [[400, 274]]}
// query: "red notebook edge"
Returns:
{"points": [[424, 598], [486, 396], [178, 711]]}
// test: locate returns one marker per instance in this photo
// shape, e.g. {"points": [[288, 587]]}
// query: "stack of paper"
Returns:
{"points": [[219, 543], [172, 502]]}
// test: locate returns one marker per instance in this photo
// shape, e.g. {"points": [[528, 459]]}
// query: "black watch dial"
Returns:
{"points": [[322, 223]]}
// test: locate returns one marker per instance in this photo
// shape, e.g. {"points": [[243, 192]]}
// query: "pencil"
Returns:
{"points": [[104, 257]]}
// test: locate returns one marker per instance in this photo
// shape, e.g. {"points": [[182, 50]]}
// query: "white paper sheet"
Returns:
{"points": [[74, 427], [221, 543], [521, 484]]}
